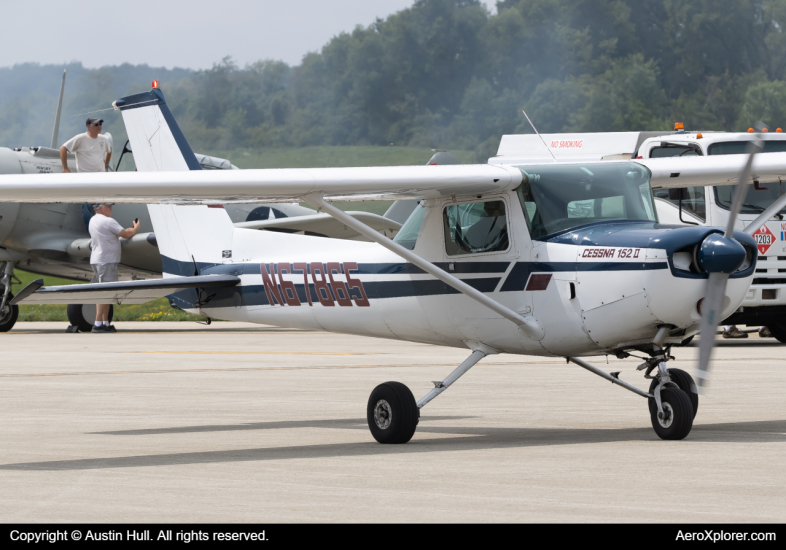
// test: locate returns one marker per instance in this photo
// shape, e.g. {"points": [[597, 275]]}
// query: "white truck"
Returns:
{"points": [[765, 303]]}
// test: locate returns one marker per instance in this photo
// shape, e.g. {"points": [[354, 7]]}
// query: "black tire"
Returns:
{"points": [[778, 331], [679, 422], [79, 318], [392, 413], [8, 320], [685, 383]]}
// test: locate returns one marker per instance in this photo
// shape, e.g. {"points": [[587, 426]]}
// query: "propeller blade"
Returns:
{"points": [[712, 305], [711, 308], [741, 190]]}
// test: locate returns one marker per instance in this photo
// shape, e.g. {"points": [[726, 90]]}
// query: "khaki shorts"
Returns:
{"points": [[104, 273]]}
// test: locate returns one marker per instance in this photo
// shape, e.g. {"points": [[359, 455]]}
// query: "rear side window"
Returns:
{"points": [[408, 234], [475, 227], [674, 151], [740, 147]]}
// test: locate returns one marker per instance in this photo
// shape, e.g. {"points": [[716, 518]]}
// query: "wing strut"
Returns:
{"points": [[529, 324]]}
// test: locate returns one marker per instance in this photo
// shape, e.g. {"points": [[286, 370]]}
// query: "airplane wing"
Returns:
{"points": [[715, 170], [324, 225], [121, 292], [271, 185], [382, 182]]}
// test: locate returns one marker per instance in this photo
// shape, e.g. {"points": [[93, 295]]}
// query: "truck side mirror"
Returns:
{"points": [[678, 194]]}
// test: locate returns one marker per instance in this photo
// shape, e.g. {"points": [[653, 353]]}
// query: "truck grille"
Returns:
{"points": [[769, 271]]}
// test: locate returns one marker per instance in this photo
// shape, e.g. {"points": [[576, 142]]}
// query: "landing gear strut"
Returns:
{"points": [[8, 313], [392, 412]]}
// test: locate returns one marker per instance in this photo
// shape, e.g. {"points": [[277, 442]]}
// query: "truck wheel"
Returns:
{"points": [[778, 330], [83, 316]]}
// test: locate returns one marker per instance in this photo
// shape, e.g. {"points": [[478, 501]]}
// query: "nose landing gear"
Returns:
{"points": [[673, 397]]}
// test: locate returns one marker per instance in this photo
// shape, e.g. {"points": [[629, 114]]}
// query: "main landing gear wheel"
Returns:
{"points": [[392, 413], [685, 383], [83, 316], [9, 315], [677, 419]]}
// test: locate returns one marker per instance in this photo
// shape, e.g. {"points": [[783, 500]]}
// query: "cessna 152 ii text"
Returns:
{"points": [[561, 259]]}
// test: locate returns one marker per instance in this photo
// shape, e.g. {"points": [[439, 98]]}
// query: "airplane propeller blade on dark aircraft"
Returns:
{"points": [[721, 255]]}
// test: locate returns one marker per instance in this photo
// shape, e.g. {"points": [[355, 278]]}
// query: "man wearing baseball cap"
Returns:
{"points": [[93, 153], [105, 235]]}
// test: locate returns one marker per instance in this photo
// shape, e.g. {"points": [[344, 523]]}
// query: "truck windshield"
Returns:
{"points": [[556, 198], [740, 147], [757, 200]]}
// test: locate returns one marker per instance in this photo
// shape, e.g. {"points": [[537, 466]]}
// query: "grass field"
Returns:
{"points": [[281, 157]]}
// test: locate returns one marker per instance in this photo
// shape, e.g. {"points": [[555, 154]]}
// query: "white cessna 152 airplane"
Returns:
{"points": [[561, 259]]}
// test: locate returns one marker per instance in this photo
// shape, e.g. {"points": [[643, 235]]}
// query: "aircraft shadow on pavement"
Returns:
{"points": [[340, 423], [469, 438]]}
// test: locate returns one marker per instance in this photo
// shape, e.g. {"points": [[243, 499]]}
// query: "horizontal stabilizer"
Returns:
{"points": [[120, 292], [27, 291]]}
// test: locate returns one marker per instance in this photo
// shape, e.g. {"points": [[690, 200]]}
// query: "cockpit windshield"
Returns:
{"points": [[560, 197]]}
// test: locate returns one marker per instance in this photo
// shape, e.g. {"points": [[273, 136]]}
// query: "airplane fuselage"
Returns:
{"points": [[595, 288]]}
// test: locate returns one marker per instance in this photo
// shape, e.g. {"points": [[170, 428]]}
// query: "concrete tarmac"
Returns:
{"points": [[244, 423]]}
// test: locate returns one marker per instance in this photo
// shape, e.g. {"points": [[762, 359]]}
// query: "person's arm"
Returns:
{"points": [[64, 159], [131, 231], [107, 160]]}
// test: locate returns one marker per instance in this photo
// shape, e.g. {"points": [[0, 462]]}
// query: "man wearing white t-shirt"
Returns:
{"points": [[105, 234], [93, 151]]}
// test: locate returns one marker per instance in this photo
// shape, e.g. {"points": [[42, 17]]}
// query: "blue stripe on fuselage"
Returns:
{"points": [[521, 271], [254, 294]]}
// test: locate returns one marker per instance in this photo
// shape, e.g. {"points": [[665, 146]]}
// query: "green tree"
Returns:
{"points": [[766, 102], [625, 97]]}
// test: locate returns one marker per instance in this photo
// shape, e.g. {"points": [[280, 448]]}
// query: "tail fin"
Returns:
{"points": [[156, 139], [188, 236]]}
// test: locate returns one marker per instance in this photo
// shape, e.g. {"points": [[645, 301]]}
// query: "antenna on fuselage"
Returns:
{"points": [[56, 129], [541, 137]]}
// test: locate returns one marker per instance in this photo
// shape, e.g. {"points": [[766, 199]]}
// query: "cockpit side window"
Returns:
{"points": [[475, 227]]}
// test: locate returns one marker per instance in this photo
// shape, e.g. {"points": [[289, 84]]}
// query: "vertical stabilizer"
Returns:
{"points": [[187, 236], [156, 139]]}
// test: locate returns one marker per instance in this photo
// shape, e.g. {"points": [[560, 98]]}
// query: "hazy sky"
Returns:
{"points": [[174, 33]]}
